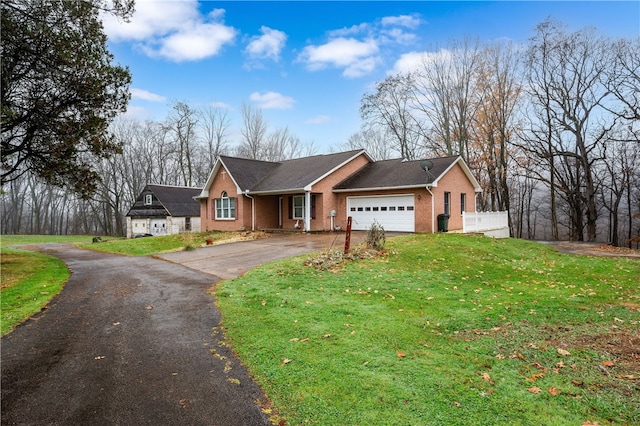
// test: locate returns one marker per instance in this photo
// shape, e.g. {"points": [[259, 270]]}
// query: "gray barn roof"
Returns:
{"points": [[174, 201]]}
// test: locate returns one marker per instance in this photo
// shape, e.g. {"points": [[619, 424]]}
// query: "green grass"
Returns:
{"points": [[163, 244], [29, 281], [444, 330]]}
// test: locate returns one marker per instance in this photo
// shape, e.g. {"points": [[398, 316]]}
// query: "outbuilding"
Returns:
{"points": [[164, 210]]}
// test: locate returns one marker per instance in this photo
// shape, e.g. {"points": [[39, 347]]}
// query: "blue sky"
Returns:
{"points": [[307, 64]]}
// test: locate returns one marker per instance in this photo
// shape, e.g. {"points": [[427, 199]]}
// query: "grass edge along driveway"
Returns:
{"points": [[31, 279], [443, 330]]}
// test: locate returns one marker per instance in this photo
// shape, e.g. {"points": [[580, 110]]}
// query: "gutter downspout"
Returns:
{"points": [[433, 208], [253, 209]]}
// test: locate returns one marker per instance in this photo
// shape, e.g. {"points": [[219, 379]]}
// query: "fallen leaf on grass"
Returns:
{"points": [[148, 308], [401, 354], [306, 339], [609, 363], [563, 352], [286, 361], [486, 377], [628, 377], [554, 391], [534, 377], [590, 423], [457, 404], [326, 335], [534, 390]]}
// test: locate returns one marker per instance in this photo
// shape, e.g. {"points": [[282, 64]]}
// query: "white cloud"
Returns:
{"points": [[174, 30], [146, 95], [198, 42], [407, 21], [318, 119], [357, 57], [412, 61], [267, 46], [272, 100]]}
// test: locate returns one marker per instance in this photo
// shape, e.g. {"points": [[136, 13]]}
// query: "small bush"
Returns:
{"points": [[375, 237]]}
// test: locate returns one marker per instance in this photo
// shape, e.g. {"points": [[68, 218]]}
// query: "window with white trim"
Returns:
{"points": [[225, 207], [463, 202], [148, 199], [298, 207]]}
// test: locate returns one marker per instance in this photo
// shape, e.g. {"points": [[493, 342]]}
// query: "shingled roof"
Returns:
{"points": [[397, 173], [284, 176], [301, 172], [168, 201]]}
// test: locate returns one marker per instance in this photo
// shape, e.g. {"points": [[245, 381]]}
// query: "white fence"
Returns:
{"points": [[484, 221]]}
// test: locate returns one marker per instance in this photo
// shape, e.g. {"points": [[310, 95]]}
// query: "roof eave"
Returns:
{"points": [[381, 188]]}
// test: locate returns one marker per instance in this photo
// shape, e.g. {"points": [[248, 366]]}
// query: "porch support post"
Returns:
{"points": [[307, 211]]}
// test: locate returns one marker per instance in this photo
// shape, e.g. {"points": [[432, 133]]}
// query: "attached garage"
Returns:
{"points": [[393, 212]]}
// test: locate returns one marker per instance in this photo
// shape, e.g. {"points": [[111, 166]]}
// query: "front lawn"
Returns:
{"points": [[443, 330]]}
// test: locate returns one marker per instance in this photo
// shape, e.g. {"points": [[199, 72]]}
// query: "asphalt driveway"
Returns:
{"points": [[129, 341], [135, 340]]}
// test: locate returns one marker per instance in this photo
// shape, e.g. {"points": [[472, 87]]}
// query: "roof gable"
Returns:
{"points": [[172, 201], [300, 173]]}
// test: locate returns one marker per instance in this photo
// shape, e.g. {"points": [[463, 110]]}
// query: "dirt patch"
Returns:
{"points": [[623, 347], [593, 249]]}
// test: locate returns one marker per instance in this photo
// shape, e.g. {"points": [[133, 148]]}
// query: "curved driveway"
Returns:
{"points": [[135, 340]]}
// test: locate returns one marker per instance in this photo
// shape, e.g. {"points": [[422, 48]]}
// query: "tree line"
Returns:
{"points": [[550, 129]]}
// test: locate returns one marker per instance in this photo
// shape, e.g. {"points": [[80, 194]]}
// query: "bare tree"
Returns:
{"points": [[494, 122], [372, 140], [390, 108], [254, 133], [215, 125], [566, 75], [182, 124]]}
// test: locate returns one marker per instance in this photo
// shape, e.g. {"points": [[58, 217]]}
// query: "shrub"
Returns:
{"points": [[375, 237]]}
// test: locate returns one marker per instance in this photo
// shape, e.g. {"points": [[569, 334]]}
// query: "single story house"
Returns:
{"points": [[164, 210], [319, 193]]}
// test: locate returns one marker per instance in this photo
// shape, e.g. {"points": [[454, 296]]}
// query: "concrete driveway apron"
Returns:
{"points": [[231, 260]]}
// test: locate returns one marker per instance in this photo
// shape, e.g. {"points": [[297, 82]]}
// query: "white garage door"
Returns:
{"points": [[393, 212]]}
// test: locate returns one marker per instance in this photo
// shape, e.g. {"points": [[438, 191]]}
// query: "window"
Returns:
{"points": [[447, 203], [225, 207], [148, 199], [187, 224], [409, 208], [463, 203], [298, 207]]}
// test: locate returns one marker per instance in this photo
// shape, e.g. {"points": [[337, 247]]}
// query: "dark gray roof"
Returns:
{"points": [[262, 176], [248, 173], [168, 201], [396, 173]]}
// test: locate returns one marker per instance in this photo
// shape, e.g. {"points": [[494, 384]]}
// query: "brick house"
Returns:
{"points": [[319, 192], [164, 210]]}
